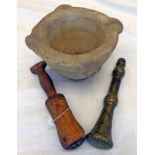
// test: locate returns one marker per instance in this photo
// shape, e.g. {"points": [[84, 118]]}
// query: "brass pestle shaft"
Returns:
{"points": [[100, 135]]}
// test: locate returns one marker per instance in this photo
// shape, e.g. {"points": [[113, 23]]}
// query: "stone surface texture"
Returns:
{"points": [[75, 41]]}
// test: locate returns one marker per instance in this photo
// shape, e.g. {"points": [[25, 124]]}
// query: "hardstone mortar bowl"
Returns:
{"points": [[75, 41]]}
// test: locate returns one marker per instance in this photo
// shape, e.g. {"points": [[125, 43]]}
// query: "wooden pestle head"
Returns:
{"points": [[70, 132]]}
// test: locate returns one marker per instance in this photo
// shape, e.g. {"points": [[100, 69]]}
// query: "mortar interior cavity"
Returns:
{"points": [[75, 34]]}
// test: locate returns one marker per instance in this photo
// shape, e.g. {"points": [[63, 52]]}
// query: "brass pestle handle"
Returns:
{"points": [[100, 135]]}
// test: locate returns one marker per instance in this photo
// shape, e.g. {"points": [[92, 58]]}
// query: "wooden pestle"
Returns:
{"points": [[70, 133], [100, 135]]}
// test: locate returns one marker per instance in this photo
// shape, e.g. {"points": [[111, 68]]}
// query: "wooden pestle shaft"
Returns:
{"points": [[70, 133]]}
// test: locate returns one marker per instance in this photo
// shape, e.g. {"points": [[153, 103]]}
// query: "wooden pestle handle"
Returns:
{"points": [[45, 81], [100, 135], [70, 132]]}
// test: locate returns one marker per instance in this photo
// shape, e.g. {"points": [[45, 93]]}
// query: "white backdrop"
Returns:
{"points": [[36, 132]]}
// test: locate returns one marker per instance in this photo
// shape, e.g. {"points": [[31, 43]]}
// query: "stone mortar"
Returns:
{"points": [[75, 41]]}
